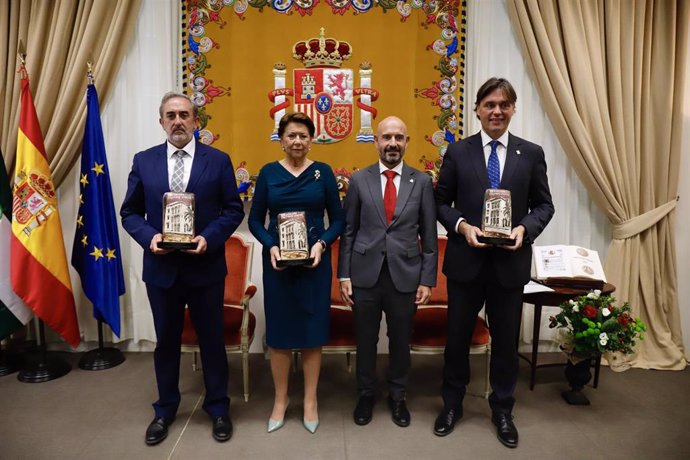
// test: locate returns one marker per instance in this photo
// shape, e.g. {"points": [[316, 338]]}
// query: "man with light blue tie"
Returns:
{"points": [[193, 278], [485, 275]]}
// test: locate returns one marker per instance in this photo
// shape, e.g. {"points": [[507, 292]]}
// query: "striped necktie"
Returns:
{"points": [[176, 181]]}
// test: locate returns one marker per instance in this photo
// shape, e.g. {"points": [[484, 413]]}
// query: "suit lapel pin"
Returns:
{"points": [[411, 181], [518, 152]]}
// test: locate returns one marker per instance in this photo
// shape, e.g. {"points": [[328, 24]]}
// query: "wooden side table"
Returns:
{"points": [[553, 299]]}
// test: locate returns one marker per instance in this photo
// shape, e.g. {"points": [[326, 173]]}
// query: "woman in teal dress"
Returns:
{"points": [[296, 299]]}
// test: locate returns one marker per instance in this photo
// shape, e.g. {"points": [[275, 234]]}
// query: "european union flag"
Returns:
{"points": [[96, 252]]}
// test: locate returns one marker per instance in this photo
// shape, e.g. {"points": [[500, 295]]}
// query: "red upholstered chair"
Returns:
{"points": [[342, 337], [342, 330], [239, 323], [429, 329]]}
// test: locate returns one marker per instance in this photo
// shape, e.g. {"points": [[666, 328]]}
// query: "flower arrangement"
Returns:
{"points": [[591, 325]]}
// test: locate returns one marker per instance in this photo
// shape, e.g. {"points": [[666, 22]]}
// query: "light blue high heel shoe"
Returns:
{"points": [[311, 426], [275, 425]]}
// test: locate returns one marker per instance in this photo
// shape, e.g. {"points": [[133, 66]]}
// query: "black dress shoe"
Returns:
{"points": [[399, 412], [157, 430], [222, 428], [505, 429], [445, 422], [364, 410]]}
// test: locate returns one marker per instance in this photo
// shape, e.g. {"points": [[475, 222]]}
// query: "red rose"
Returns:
{"points": [[611, 307], [590, 311], [624, 320]]}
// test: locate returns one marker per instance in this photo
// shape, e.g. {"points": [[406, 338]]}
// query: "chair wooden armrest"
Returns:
{"points": [[238, 322], [244, 327]]}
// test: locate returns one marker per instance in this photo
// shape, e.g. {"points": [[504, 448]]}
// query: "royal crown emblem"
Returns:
{"points": [[324, 90], [322, 51]]}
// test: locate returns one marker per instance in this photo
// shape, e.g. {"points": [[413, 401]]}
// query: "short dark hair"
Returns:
{"points": [[491, 85], [296, 117], [172, 95]]}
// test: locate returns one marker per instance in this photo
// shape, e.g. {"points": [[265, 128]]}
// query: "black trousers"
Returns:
{"points": [[206, 311], [503, 310], [399, 308]]}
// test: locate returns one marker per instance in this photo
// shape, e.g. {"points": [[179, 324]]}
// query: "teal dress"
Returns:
{"points": [[297, 300]]}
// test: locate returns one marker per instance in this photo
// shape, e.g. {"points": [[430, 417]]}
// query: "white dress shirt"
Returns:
{"points": [[187, 160], [396, 180], [501, 151]]}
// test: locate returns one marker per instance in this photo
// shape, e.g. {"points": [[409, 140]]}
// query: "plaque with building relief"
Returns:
{"points": [[178, 221], [293, 242], [497, 221]]}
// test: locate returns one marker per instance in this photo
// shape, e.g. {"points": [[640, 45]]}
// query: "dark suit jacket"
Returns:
{"points": [[218, 212], [460, 193], [409, 244]]}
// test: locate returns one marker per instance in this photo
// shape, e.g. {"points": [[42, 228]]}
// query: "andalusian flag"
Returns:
{"points": [[38, 267], [96, 251], [13, 312]]}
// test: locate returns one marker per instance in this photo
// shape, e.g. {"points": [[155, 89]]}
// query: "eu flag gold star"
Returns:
{"points": [[96, 253], [84, 240], [97, 168], [81, 199], [80, 221], [84, 180], [110, 254]]}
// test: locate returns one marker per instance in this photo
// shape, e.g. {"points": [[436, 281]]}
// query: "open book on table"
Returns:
{"points": [[568, 266]]}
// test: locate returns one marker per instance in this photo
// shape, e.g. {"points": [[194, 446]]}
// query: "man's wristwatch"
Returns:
{"points": [[323, 243]]}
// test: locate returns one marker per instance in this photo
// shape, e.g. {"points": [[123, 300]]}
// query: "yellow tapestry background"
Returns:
{"points": [[242, 52]]}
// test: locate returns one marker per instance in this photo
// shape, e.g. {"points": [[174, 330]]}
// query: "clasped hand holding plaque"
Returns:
{"points": [[178, 221], [293, 241], [497, 218]]}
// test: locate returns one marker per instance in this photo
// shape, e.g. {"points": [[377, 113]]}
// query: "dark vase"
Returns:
{"points": [[577, 375]]}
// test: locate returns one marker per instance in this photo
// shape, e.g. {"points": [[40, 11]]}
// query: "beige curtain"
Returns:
{"points": [[610, 75], [59, 37]]}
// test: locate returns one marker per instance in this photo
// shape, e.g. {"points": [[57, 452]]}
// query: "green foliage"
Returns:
{"points": [[592, 325]]}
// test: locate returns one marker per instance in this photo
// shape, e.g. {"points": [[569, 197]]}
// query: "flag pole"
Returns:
{"points": [[8, 363], [39, 366], [42, 366], [102, 357]]}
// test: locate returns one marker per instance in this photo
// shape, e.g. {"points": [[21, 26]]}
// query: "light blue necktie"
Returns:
{"points": [[493, 167], [177, 180]]}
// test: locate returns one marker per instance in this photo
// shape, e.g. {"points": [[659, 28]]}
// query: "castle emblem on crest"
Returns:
{"points": [[325, 91], [34, 200]]}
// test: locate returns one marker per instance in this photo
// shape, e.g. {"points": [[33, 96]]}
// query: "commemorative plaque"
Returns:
{"points": [[178, 221], [292, 237], [497, 221]]}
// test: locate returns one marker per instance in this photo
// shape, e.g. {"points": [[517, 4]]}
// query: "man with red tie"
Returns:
{"points": [[388, 257]]}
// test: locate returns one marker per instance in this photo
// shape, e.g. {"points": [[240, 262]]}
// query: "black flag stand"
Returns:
{"points": [[41, 366], [8, 363], [102, 357]]}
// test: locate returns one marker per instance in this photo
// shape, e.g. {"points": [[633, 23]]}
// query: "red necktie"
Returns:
{"points": [[389, 195]]}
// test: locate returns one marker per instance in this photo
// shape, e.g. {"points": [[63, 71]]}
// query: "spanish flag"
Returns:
{"points": [[38, 265]]}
